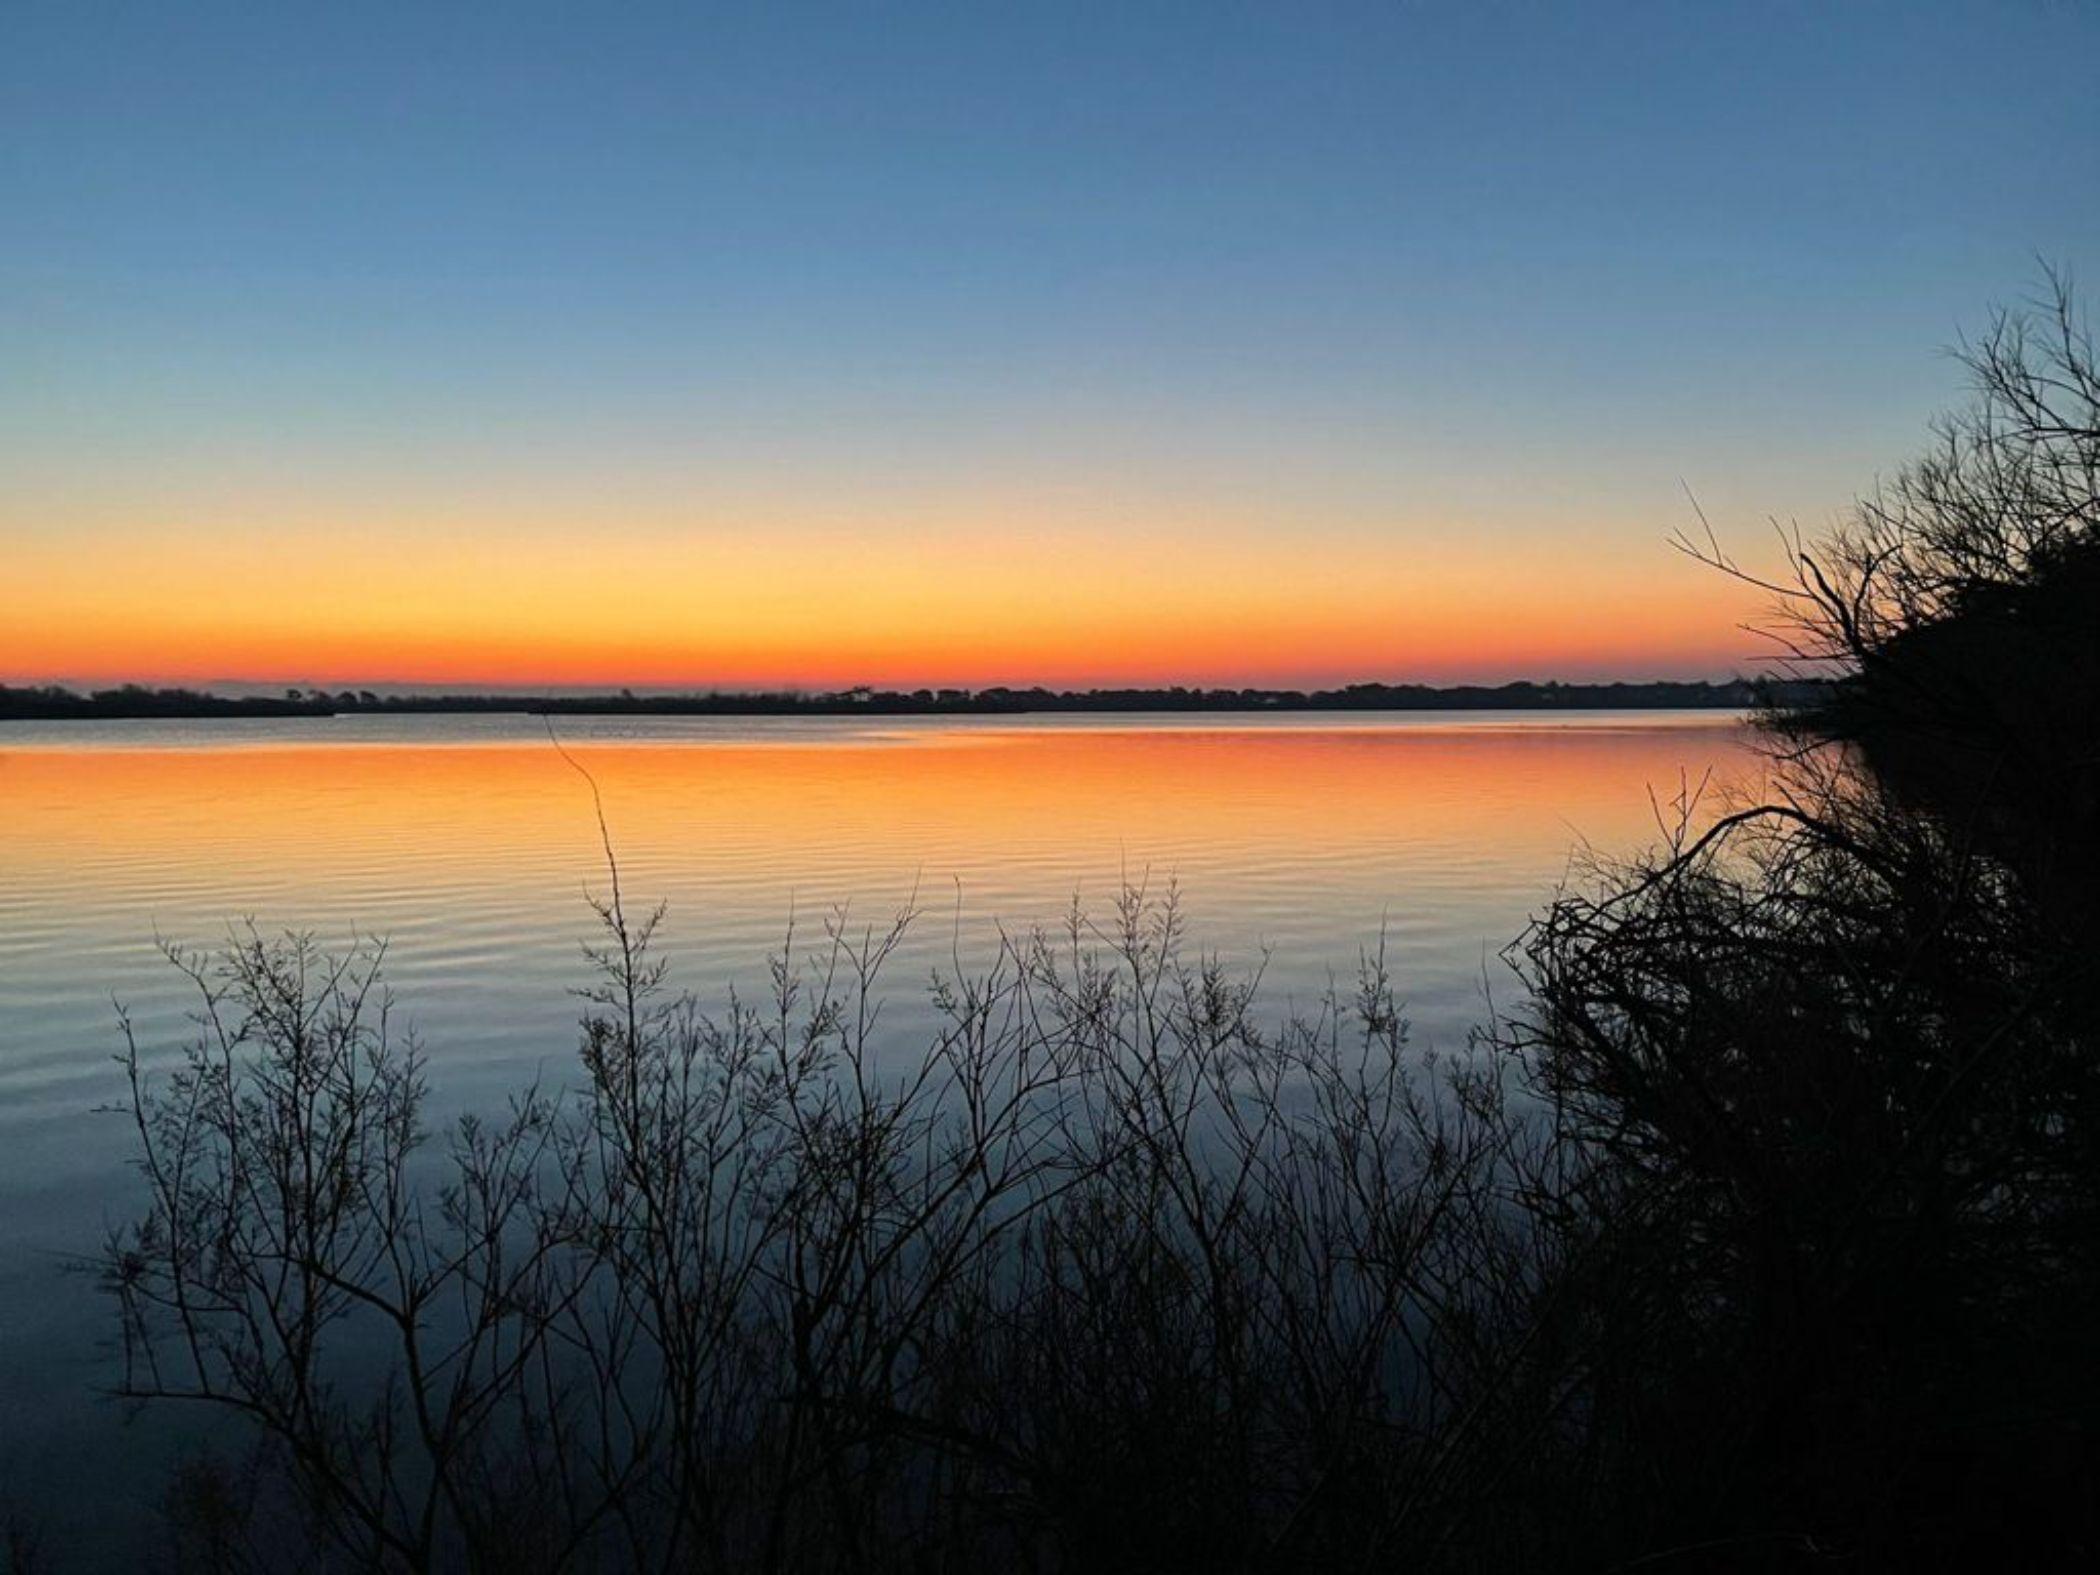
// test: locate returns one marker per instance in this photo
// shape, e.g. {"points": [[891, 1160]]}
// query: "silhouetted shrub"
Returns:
{"points": [[1112, 1276], [1824, 1071]]}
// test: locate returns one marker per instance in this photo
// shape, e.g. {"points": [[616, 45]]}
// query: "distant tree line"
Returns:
{"points": [[136, 700]]}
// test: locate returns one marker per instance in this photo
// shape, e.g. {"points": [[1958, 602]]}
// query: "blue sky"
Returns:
{"points": [[1402, 280]]}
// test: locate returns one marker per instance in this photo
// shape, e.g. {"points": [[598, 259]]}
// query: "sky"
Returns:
{"points": [[762, 345]]}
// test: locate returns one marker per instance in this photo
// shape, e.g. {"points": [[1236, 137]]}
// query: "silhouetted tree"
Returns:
{"points": [[1824, 1071]]}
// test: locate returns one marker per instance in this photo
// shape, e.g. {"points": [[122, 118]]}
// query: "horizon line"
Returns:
{"points": [[280, 689]]}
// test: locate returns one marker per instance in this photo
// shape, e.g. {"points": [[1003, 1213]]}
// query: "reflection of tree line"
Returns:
{"points": [[137, 701], [1763, 1235]]}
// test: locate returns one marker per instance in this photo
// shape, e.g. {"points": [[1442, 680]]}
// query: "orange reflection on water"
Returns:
{"points": [[924, 801], [1295, 847]]}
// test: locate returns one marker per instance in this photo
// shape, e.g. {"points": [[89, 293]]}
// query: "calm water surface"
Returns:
{"points": [[469, 844]]}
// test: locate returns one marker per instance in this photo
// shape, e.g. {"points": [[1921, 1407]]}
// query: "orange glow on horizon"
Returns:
{"points": [[821, 609]]}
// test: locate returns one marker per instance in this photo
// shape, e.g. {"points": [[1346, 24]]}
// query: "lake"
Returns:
{"points": [[1296, 843]]}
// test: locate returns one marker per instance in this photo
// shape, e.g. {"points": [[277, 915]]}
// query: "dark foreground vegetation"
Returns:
{"points": [[1765, 1236], [134, 701]]}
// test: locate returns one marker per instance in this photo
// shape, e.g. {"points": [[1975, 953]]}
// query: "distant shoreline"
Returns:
{"points": [[137, 702]]}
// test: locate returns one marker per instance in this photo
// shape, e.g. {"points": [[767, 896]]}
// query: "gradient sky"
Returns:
{"points": [[979, 343]]}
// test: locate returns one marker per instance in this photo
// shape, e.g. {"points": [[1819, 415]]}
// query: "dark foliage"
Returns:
{"points": [[1111, 1278], [1830, 1063]]}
